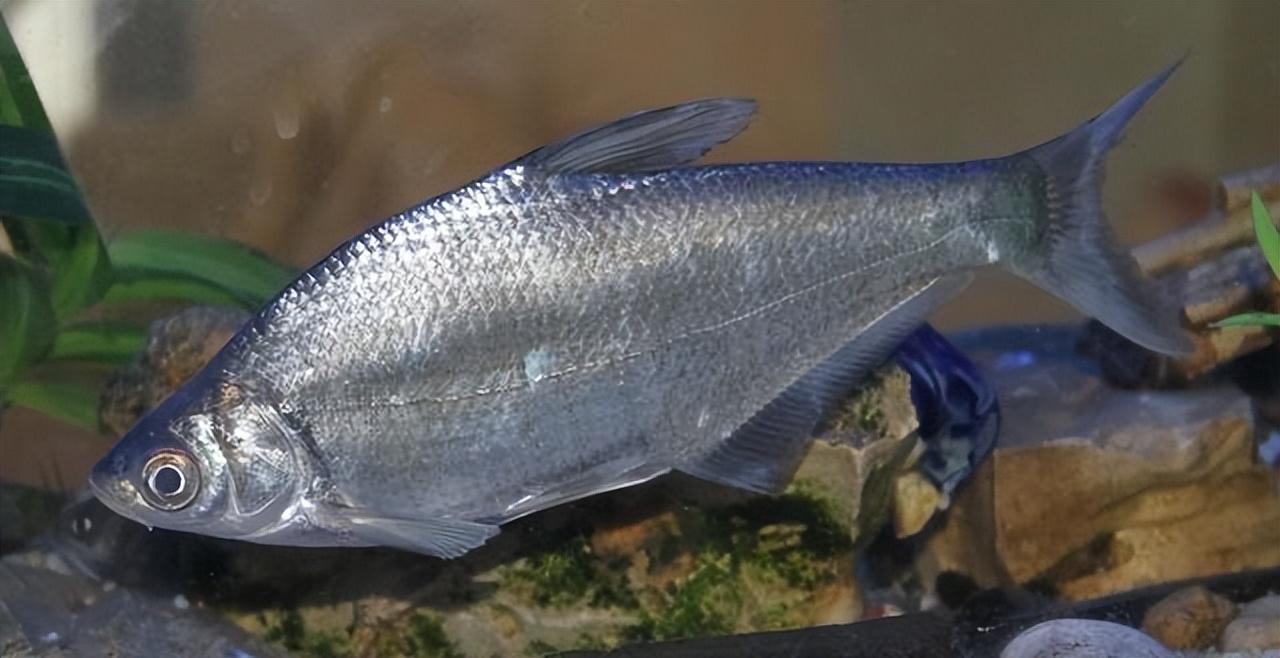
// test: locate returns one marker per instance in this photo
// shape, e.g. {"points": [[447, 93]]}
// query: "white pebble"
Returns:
{"points": [[180, 602], [1083, 638], [1256, 627]]}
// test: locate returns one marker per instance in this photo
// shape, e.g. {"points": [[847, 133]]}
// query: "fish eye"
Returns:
{"points": [[172, 480]]}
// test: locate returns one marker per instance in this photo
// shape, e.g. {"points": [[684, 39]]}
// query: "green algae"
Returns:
{"points": [[863, 412], [419, 636], [290, 632], [425, 638], [708, 602], [569, 574], [763, 544]]}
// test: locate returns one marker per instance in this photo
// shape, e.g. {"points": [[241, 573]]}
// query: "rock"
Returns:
{"points": [[1083, 638], [24, 513], [1256, 627], [1190, 618], [854, 465], [1095, 490], [177, 347], [915, 501], [46, 615], [986, 621]]}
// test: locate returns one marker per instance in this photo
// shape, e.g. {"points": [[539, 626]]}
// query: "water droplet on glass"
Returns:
{"points": [[384, 104], [287, 120], [260, 192], [240, 143]]}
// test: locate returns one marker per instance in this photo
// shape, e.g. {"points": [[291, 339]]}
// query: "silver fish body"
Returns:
{"points": [[518, 334], [587, 318]]}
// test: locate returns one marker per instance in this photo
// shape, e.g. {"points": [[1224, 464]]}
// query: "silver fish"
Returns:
{"points": [[595, 314]]}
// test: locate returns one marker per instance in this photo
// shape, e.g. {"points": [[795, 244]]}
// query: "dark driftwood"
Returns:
{"points": [[981, 627], [920, 635], [1216, 270]]}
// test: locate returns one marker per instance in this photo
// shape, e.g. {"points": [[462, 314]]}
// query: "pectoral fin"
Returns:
{"points": [[446, 538], [764, 452]]}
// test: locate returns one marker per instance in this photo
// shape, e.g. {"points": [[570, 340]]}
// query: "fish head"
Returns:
{"points": [[215, 458]]}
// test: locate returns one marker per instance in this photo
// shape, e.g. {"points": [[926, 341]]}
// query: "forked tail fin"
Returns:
{"points": [[1077, 257]]}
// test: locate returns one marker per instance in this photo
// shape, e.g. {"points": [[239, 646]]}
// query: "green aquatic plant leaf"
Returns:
{"points": [[1251, 320], [79, 268], [156, 263], [19, 103], [34, 180], [26, 319], [1269, 240], [111, 343], [1268, 237], [72, 401], [140, 287]]}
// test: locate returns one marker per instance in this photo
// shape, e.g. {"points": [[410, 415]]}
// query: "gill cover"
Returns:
{"points": [[257, 443]]}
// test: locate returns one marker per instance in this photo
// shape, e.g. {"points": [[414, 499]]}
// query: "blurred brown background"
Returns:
{"points": [[292, 125]]}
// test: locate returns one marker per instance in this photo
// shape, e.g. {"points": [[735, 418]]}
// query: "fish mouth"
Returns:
{"points": [[114, 493]]}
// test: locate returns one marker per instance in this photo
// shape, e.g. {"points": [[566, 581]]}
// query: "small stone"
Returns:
{"points": [[180, 602], [1083, 638], [1190, 618], [915, 500], [1256, 627]]}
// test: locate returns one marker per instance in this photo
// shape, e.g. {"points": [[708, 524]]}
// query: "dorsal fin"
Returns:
{"points": [[647, 141]]}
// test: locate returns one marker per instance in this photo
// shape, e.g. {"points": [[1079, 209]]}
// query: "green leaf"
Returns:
{"points": [[19, 103], [75, 256], [26, 319], [144, 287], [1250, 320], [242, 272], [72, 401], [1268, 237], [34, 180], [111, 343]]}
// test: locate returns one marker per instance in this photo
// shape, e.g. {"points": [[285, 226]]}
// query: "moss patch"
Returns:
{"points": [[566, 575], [864, 412], [755, 561], [425, 638], [289, 630]]}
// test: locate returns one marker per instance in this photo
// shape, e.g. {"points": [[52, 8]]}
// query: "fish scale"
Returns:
{"points": [[767, 334]]}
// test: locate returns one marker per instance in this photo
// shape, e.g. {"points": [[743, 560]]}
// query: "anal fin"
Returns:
{"points": [[763, 453]]}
